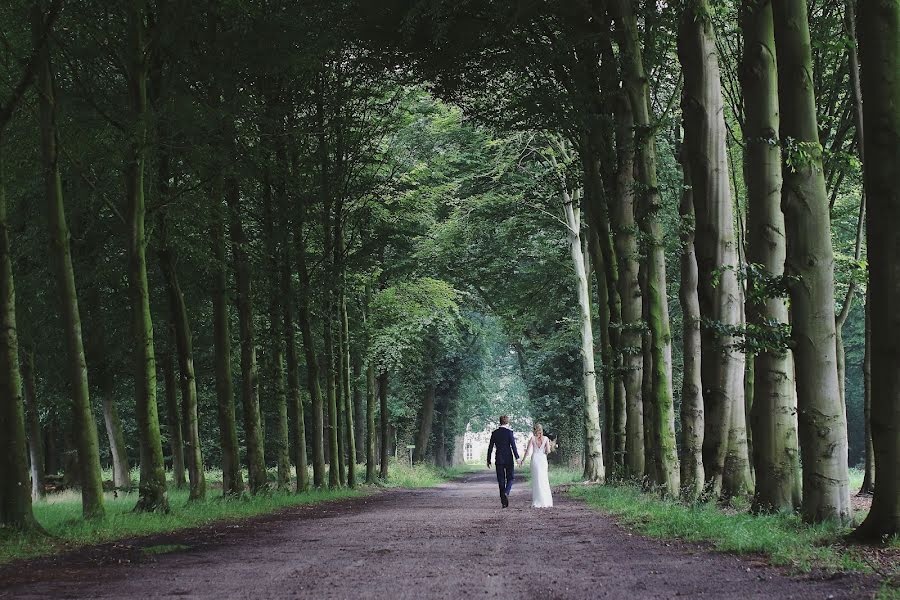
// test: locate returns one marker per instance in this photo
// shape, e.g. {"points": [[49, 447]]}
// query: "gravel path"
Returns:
{"points": [[453, 541]]}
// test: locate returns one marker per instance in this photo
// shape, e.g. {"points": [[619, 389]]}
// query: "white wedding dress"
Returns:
{"points": [[541, 497]]}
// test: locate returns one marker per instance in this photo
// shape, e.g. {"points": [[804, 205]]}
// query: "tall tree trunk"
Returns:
{"points": [[173, 414], [628, 253], [348, 397], [184, 345], [773, 421], [295, 400], [385, 429], [727, 466], [256, 466], [312, 361], [33, 421], [61, 256], [426, 417], [371, 435], [152, 488], [232, 478], [277, 392], [879, 26], [636, 87], [15, 493], [359, 423], [810, 266], [868, 484], [113, 424], [334, 472], [593, 464], [692, 477]]}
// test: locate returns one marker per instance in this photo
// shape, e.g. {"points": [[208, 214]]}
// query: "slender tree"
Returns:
{"points": [[33, 423], [152, 488], [85, 426]]}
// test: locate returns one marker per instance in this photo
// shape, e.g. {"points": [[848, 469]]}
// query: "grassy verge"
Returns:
{"points": [[784, 539], [60, 513]]}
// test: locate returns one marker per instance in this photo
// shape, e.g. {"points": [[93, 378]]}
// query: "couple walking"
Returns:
{"points": [[539, 446]]}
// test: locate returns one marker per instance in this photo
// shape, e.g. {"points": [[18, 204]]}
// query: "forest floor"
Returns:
{"points": [[451, 540]]}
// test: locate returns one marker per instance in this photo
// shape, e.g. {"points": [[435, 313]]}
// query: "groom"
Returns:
{"points": [[505, 441]]}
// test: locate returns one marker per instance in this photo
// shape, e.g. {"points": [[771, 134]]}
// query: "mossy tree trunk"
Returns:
{"points": [[277, 391], [152, 489], [773, 421], [717, 260], [256, 466], [879, 28], [628, 253], [371, 400], [184, 346], [384, 417], [15, 491], [309, 349], [173, 416], [61, 256], [692, 476], [810, 265], [232, 478], [648, 203]]}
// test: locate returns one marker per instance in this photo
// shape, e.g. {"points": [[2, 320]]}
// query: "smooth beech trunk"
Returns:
{"points": [[256, 465], [726, 464], [648, 204], [426, 415], [371, 400], [152, 488], [184, 345], [348, 395], [773, 413], [33, 422], [61, 256], [593, 464], [384, 416], [879, 40], [359, 420], [15, 491], [277, 391], [312, 360], [810, 266], [232, 478], [692, 477], [294, 398], [628, 254], [173, 416], [868, 484]]}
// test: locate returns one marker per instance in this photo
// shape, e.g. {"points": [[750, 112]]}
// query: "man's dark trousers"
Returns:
{"points": [[505, 474]]}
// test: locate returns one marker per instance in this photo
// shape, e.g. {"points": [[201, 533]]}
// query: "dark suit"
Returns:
{"points": [[505, 442]]}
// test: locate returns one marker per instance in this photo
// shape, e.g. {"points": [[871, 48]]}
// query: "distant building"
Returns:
{"points": [[475, 443]]}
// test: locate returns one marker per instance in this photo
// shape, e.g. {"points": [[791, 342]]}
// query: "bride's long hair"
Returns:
{"points": [[538, 430]]}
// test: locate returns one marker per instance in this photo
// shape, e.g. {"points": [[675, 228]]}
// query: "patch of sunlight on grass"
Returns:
{"points": [[401, 475], [783, 537]]}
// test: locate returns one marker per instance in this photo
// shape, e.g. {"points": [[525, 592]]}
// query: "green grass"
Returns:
{"points": [[60, 513], [783, 538]]}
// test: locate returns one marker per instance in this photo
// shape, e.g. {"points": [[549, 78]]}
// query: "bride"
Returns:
{"points": [[539, 446]]}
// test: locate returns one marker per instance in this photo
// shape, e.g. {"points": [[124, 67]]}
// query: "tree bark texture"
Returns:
{"points": [[594, 468], [773, 414], [879, 29], [152, 488], [727, 466], [61, 256], [692, 477], [809, 264]]}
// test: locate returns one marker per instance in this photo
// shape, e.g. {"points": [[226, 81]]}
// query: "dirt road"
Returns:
{"points": [[453, 541]]}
